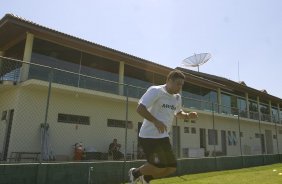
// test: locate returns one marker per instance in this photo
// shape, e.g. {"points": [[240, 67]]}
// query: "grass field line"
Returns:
{"points": [[269, 174]]}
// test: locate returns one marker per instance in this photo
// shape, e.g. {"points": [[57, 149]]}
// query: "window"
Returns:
{"points": [[212, 134], [253, 107], [275, 117], [198, 97], [159, 79], [226, 103], [119, 123], [257, 135], [74, 119], [280, 116], [4, 115], [232, 138], [186, 129], [242, 106], [138, 77], [229, 138], [265, 112], [186, 120], [193, 130], [189, 121]]}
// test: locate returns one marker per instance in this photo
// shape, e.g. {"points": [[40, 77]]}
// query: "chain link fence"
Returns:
{"points": [[54, 115]]}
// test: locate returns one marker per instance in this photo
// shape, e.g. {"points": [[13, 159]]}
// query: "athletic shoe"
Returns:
{"points": [[143, 181], [132, 179]]}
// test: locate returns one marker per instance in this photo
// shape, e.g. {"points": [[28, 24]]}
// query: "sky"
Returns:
{"points": [[244, 37]]}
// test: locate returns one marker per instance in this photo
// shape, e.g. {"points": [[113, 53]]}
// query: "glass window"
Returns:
{"points": [[191, 91], [198, 97], [242, 107], [119, 123], [159, 79], [209, 98], [57, 56], [138, 77], [280, 116], [16, 52], [274, 115], [73, 119], [234, 105], [212, 135], [193, 130], [225, 103], [253, 108], [191, 100], [138, 81], [99, 67], [265, 112], [74, 66], [9, 70]]}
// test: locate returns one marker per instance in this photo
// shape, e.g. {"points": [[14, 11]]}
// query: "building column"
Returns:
{"points": [[279, 115], [270, 110], [2, 53], [1, 60], [258, 108], [219, 100], [247, 105], [27, 56], [121, 78]]}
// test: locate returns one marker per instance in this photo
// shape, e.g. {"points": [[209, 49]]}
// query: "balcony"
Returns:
{"points": [[10, 71]]}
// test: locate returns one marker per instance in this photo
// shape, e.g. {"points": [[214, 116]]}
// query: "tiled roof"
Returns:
{"points": [[18, 18]]}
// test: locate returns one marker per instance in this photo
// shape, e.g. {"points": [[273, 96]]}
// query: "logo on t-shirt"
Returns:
{"points": [[167, 106]]}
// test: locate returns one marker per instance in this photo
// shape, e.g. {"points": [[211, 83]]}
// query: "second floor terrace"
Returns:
{"points": [[193, 96]]}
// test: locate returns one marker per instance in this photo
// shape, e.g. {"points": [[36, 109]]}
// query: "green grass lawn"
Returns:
{"points": [[255, 175]]}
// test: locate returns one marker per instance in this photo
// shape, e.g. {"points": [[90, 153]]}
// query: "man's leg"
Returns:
{"points": [[149, 172], [160, 159], [155, 172]]}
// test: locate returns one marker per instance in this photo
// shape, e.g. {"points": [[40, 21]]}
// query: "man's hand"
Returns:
{"points": [[160, 126], [192, 115]]}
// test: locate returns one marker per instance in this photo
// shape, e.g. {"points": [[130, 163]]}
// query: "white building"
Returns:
{"points": [[80, 89]]}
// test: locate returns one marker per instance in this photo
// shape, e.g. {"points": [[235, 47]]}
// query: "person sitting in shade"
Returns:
{"points": [[114, 150]]}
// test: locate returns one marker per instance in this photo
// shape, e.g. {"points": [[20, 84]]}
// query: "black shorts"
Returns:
{"points": [[158, 152]]}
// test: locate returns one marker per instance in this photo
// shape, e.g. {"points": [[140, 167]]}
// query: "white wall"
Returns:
{"points": [[29, 102], [8, 101]]}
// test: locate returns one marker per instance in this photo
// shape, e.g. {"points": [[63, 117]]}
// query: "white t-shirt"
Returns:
{"points": [[162, 106]]}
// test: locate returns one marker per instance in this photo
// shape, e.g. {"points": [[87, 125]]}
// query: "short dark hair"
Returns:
{"points": [[175, 74]]}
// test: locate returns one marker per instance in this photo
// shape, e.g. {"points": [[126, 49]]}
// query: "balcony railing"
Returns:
{"points": [[10, 70]]}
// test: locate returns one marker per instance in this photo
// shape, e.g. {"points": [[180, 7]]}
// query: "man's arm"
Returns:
{"points": [[185, 115], [142, 110]]}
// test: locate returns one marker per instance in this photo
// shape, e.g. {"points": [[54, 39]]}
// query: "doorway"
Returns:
{"points": [[176, 140], [262, 144], [223, 142], [8, 128], [269, 141]]}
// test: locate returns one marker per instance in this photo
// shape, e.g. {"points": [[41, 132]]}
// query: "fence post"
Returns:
{"points": [[126, 128], [240, 141], [45, 125], [213, 127]]}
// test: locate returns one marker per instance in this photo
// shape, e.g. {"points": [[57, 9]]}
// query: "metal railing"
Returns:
{"points": [[50, 99], [96, 110]]}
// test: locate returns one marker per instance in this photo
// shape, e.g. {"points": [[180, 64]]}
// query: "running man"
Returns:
{"points": [[158, 106]]}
